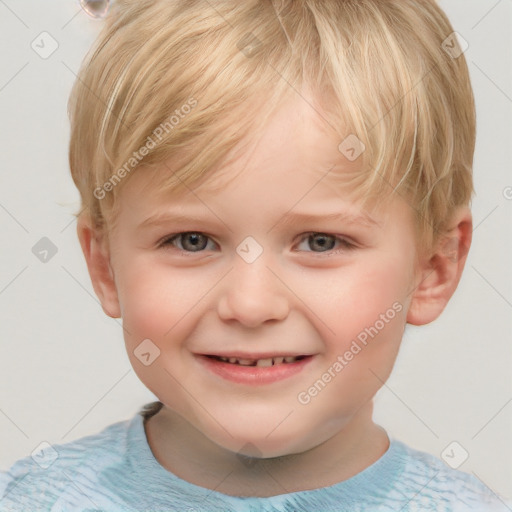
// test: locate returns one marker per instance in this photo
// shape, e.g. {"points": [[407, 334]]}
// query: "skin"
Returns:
{"points": [[294, 298]]}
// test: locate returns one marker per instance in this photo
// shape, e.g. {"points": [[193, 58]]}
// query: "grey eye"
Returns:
{"points": [[95, 8]]}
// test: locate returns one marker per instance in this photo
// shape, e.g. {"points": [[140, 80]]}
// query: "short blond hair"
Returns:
{"points": [[189, 80]]}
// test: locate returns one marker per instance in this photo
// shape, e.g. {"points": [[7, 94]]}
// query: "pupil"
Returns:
{"points": [[194, 241], [321, 241]]}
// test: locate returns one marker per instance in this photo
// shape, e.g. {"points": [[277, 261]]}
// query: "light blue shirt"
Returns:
{"points": [[116, 471]]}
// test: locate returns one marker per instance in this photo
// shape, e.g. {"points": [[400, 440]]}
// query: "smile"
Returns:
{"points": [[262, 363], [254, 371]]}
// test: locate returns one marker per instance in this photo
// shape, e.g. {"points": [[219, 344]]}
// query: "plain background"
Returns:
{"points": [[64, 372]]}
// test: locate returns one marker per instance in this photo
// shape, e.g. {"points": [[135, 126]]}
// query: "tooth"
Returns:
{"points": [[264, 362], [246, 362], [232, 360], [278, 360], [289, 359], [224, 359]]}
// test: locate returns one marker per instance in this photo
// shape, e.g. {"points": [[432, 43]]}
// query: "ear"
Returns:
{"points": [[440, 272], [97, 255]]}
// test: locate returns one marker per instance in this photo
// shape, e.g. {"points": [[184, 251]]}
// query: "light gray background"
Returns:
{"points": [[64, 372]]}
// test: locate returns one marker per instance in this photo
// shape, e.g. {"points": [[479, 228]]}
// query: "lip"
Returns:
{"points": [[254, 355], [253, 375]]}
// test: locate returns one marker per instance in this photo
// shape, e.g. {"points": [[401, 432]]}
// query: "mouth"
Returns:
{"points": [[262, 362], [255, 369]]}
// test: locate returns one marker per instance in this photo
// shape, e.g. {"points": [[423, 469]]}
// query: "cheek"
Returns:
{"points": [[362, 327], [156, 300], [364, 302], [360, 294], [159, 304]]}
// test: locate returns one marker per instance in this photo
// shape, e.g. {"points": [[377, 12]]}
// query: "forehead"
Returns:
{"points": [[297, 146]]}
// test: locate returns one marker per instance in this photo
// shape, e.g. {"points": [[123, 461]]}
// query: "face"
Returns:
{"points": [[277, 263]]}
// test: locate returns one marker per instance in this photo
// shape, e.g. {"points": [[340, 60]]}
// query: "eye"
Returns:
{"points": [[325, 242], [194, 241], [191, 241]]}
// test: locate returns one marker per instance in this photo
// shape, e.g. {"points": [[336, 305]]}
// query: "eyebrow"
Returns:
{"points": [[286, 220], [163, 217], [361, 218]]}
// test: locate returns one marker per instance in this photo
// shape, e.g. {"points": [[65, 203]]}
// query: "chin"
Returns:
{"points": [[259, 444]]}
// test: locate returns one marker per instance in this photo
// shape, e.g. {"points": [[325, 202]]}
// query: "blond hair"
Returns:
{"points": [[205, 75]]}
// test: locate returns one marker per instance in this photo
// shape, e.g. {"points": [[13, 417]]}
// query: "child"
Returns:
{"points": [[260, 128]]}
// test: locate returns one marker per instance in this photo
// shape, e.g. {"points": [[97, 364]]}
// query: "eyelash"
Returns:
{"points": [[346, 245]]}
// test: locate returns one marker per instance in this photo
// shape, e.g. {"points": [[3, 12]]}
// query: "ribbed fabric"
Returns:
{"points": [[116, 471]]}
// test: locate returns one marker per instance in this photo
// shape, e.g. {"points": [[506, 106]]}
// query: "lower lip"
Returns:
{"points": [[254, 375]]}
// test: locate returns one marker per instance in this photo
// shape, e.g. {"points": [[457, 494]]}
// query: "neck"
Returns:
{"points": [[186, 452]]}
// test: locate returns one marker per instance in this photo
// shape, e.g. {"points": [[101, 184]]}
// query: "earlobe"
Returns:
{"points": [[97, 258], [440, 273]]}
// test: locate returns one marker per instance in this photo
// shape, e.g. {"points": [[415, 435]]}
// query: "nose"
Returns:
{"points": [[253, 295]]}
